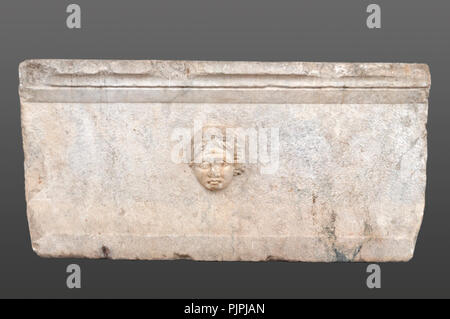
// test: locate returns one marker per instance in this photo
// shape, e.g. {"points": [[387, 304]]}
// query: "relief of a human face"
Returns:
{"points": [[214, 173]]}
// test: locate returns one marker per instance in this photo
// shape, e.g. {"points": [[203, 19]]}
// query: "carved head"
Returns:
{"points": [[214, 173], [214, 165]]}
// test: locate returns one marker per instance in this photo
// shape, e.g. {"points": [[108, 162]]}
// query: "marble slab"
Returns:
{"points": [[224, 161]]}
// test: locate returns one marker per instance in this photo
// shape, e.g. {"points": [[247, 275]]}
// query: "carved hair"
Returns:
{"points": [[214, 140]]}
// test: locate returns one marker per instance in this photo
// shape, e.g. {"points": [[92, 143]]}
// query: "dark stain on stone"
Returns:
{"points": [[331, 228], [106, 252], [340, 256], [356, 252], [314, 197], [275, 258], [182, 256]]}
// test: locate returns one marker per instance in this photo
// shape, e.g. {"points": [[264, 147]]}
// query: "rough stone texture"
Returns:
{"points": [[100, 182]]}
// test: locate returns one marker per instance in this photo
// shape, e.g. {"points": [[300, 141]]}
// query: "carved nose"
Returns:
{"points": [[215, 171]]}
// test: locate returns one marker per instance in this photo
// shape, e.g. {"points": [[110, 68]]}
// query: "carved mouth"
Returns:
{"points": [[214, 182]]}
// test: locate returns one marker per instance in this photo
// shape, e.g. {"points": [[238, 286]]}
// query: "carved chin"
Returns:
{"points": [[213, 187]]}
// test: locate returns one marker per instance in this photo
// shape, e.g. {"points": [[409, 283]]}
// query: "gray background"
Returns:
{"points": [[412, 31]]}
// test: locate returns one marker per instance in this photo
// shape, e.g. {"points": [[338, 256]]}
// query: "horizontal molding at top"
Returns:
{"points": [[229, 95], [39, 74]]}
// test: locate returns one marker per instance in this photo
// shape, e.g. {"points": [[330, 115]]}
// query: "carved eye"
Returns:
{"points": [[204, 165]]}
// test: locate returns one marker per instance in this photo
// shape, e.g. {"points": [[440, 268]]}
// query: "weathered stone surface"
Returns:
{"points": [[101, 179]]}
